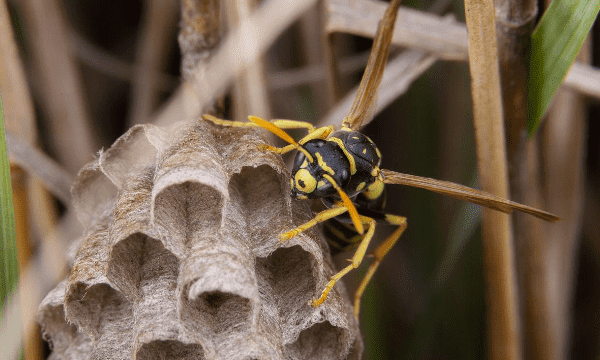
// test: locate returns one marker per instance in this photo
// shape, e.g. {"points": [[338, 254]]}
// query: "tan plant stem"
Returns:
{"points": [[200, 32], [515, 21], [563, 160], [501, 292], [19, 116], [250, 88], [58, 83], [158, 26]]}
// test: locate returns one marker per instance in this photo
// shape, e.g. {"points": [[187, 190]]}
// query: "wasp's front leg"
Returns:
{"points": [[320, 217]]}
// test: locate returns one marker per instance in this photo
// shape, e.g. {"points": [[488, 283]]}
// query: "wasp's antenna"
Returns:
{"points": [[273, 128], [348, 204], [281, 134]]}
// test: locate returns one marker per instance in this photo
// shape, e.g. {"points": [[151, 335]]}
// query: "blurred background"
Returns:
{"points": [[95, 68]]}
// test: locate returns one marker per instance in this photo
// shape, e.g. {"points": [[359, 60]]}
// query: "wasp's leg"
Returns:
{"points": [[293, 124], [277, 126], [320, 217], [380, 251], [319, 133], [355, 261], [230, 123]]}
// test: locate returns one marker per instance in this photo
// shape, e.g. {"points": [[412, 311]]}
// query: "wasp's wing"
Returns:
{"points": [[364, 103], [465, 193]]}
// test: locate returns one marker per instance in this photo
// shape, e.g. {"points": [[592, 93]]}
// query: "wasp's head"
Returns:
{"points": [[317, 161]]}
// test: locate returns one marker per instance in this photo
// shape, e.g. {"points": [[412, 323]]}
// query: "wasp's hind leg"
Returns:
{"points": [[378, 254], [354, 262]]}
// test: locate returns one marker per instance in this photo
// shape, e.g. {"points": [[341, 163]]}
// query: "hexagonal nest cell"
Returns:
{"points": [[180, 258]]}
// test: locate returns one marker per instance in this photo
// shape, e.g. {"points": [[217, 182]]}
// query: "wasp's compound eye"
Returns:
{"points": [[305, 182]]}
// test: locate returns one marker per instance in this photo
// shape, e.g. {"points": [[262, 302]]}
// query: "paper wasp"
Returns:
{"points": [[342, 169]]}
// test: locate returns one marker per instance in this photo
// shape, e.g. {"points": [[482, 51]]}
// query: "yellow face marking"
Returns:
{"points": [[361, 186], [323, 164], [355, 138], [305, 182], [304, 164], [350, 157], [375, 172], [374, 190], [320, 184]]}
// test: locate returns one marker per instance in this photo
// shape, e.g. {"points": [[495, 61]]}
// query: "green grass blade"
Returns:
{"points": [[554, 45], [8, 253]]}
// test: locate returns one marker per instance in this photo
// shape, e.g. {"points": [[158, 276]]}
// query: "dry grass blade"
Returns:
{"points": [[584, 78], [465, 193], [500, 273], [56, 179], [430, 33], [159, 24], [397, 78], [414, 29], [250, 89], [59, 83], [241, 48]]}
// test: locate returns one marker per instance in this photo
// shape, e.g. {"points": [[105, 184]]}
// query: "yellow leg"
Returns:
{"points": [[355, 261], [380, 251], [215, 120], [320, 133], [281, 150], [320, 217], [313, 133], [280, 123], [293, 124]]}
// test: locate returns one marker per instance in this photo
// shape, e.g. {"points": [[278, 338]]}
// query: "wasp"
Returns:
{"points": [[342, 168]]}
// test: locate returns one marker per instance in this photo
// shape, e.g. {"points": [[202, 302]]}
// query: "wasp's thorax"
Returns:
{"points": [[308, 180]]}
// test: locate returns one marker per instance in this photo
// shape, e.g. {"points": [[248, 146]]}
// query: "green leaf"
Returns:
{"points": [[554, 46], [8, 253]]}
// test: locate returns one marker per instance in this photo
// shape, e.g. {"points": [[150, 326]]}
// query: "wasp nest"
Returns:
{"points": [[181, 260]]}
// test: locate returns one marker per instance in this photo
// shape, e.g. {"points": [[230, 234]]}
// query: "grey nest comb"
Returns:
{"points": [[180, 257]]}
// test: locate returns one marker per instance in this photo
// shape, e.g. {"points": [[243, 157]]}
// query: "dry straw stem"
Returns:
{"points": [[33, 210], [250, 89], [433, 34], [563, 140], [399, 73], [181, 256], [32, 346], [501, 292], [414, 29], [59, 86], [318, 53], [158, 26], [546, 253], [36, 163], [450, 38], [98, 58], [238, 50], [515, 24], [200, 32]]}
